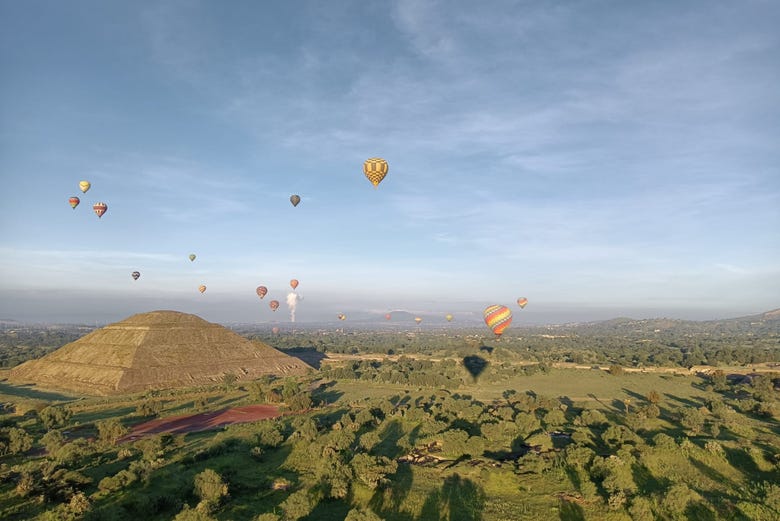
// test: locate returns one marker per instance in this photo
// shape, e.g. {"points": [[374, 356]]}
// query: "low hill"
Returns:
{"points": [[155, 350]]}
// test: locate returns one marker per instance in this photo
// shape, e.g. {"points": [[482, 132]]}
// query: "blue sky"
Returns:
{"points": [[601, 158]]}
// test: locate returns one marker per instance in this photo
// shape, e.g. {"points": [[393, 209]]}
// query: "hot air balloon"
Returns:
{"points": [[201, 288], [261, 291], [100, 209], [497, 318], [342, 316], [84, 186], [74, 202], [522, 301], [274, 305], [417, 319], [375, 169], [135, 275], [294, 283], [295, 199], [192, 257], [388, 316], [448, 317], [275, 330]]}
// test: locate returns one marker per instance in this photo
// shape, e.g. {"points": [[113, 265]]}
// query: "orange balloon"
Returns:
{"points": [[522, 301], [201, 288], [294, 283], [417, 319], [274, 305], [497, 318]]}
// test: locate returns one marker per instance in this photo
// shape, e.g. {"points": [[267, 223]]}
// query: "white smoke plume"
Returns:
{"points": [[292, 302]]}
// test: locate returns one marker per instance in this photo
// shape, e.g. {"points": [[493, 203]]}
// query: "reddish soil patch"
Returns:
{"points": [[203, 421]]}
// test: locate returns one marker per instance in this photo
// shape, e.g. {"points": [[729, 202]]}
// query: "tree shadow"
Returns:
{"points": [[325, 396], [29, 391], [329, 509], [475, 365], [399, 490], [634, 395], [684, 401], [390, 435], [459, 499], [487, 349], [700, 512], [645, 481], [598, 400], [307, 355], [570, 511], [712, 473]]}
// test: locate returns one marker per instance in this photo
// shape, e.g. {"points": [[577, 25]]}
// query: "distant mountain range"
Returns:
{"points": [[763, 323]]}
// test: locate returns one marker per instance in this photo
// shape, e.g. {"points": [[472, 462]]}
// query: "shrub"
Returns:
{"points": [[210, 487], [55, 417]]}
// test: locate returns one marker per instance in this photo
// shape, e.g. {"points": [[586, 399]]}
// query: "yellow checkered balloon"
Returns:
{"points": [[375, 169]]}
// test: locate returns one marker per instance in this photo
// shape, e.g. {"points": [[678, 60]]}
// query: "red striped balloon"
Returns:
{"points": [[100, 209], [497, 318]]}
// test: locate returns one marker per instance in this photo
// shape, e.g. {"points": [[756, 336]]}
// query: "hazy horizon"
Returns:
{"points": [[90, 311], [601, 160]]}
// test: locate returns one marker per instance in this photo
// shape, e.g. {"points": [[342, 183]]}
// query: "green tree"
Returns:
{"points": [[677, 499], [16, 441], [640, 509], [149, 408], [210, 487], [193, 514], [52, 441], [297, 505], [554, 419], [360, 514], [373, 470], [229, 381], [55, 416], [653, 397], [692, 419], [110, 430]]}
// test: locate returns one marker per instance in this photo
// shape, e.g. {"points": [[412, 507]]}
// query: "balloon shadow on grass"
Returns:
{"points": [[475, 365]]}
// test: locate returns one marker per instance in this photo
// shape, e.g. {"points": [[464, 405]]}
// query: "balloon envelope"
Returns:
{"points": [[275, 330], [497, 318], [201, 288], [100, 209], [135, 275], [375, 170], [261, 291], [417, 319], [84, 186], [388, 316], [74, 202], [522, 301], [192, 257], [295, 199], [448, 317], [342, 316], [294, 283], [274, 305]]}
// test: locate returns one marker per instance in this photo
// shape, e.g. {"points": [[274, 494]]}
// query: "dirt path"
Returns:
{"points": [[203, 421]]}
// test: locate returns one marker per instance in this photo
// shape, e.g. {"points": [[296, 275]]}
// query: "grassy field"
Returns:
{"points": [[726, 475]]}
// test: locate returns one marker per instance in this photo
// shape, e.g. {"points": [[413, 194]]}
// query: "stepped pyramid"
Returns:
{"points": [[155, 350]]}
